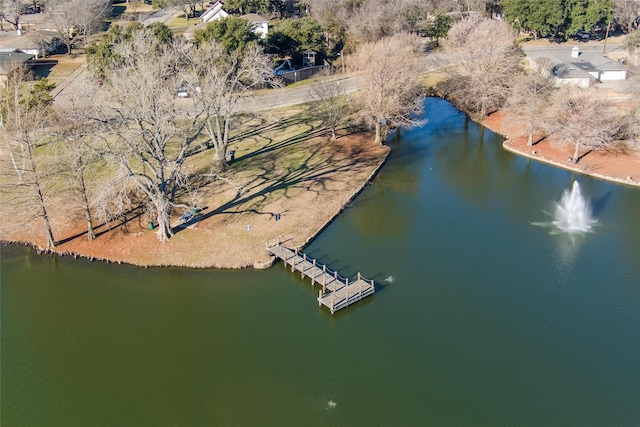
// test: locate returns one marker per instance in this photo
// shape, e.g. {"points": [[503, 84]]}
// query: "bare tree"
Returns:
{"points": [[89, 16], [581, 117], [61, 18], [11, 10], [483, 59], [632, 42], [333, 15], [328, 92], [27, 167], [632, 121], [388, 73], [75, 20], [530, 96], [369, 20], [465, 7], [78, 161], [372, 21], [217, 80], [627, 13], [188, 7], [147, 136]]}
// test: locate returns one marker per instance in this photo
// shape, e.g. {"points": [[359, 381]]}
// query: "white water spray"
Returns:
{"points": [[573, 213]]}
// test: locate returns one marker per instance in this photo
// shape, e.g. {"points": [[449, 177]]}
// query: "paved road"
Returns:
{"points": [[284, 97], [289, 96], [585, 47]]}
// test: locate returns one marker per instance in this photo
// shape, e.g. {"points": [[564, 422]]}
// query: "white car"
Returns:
{"points": [[182, 92]]}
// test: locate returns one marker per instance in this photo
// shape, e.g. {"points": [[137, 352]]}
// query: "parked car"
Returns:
{"points": [[583, 35], [182, 92]]}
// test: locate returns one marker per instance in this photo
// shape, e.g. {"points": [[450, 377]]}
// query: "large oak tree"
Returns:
{"points": [[388, 73], [147, 138], [482, 60], [582, 118]]}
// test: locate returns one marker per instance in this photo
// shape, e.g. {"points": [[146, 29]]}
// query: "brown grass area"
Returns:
{"points": [[614, 165], [286, 167], [66, 65]]}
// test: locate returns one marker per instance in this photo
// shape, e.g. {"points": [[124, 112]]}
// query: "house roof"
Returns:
{"points": [[215, 11], [188, 34], [565, 66], [254, 18], [9, 61], [28, 40]]}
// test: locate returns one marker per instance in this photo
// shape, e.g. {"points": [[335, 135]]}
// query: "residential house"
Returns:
{"points": [[10, 60], [38, 43], [214, 12], [578, 68], [259, 24]]}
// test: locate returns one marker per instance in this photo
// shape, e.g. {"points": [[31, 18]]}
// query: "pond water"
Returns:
{"points": [[482, 316]]}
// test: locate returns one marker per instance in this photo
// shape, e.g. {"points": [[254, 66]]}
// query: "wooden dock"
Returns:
{"points": [[337, 292]]}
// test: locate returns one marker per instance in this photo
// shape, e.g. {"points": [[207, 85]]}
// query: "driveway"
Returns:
{"points": [[160, 15]]}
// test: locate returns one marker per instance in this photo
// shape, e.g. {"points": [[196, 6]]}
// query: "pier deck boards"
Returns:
{"points": [[337, 292]]}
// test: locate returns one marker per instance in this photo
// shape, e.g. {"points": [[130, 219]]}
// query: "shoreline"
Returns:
{"points": [[614, 167], [304, 211], [508, 146], [357, 191]]}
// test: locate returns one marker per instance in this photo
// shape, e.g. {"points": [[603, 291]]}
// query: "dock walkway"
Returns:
{"points": [[337, 292]]}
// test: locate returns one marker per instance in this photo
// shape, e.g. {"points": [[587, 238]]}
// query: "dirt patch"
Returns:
{"points": [[617, 166]]}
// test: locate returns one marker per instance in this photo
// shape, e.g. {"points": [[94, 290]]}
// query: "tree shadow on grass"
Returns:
{"points": [[312, 172], [121, 221]]}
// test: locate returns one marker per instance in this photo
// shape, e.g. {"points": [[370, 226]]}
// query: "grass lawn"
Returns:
{"points": [[284, 163], [66, 64]]}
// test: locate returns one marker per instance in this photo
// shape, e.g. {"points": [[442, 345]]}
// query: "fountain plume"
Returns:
{"points": [[573, 212]]}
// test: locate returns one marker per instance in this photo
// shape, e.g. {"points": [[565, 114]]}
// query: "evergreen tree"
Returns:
{"points": [[233, 33]]}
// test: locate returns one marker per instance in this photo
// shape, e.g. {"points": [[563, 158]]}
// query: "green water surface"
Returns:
{"points": [[484, 314]]}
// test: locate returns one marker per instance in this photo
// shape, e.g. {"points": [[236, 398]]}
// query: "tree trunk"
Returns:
{"points": [[530, 141], [45, 216], [90, 233], [87, 213], [164, 232], [40, 197], [378, 133], [220, 159], [576, 152]]}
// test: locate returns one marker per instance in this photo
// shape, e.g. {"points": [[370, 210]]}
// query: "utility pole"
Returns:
{"points": [[606, 36]]}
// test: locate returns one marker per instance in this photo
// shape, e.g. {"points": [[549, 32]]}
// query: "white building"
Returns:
{"points": [[214, 12], [578, 68], [260, 24]]}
